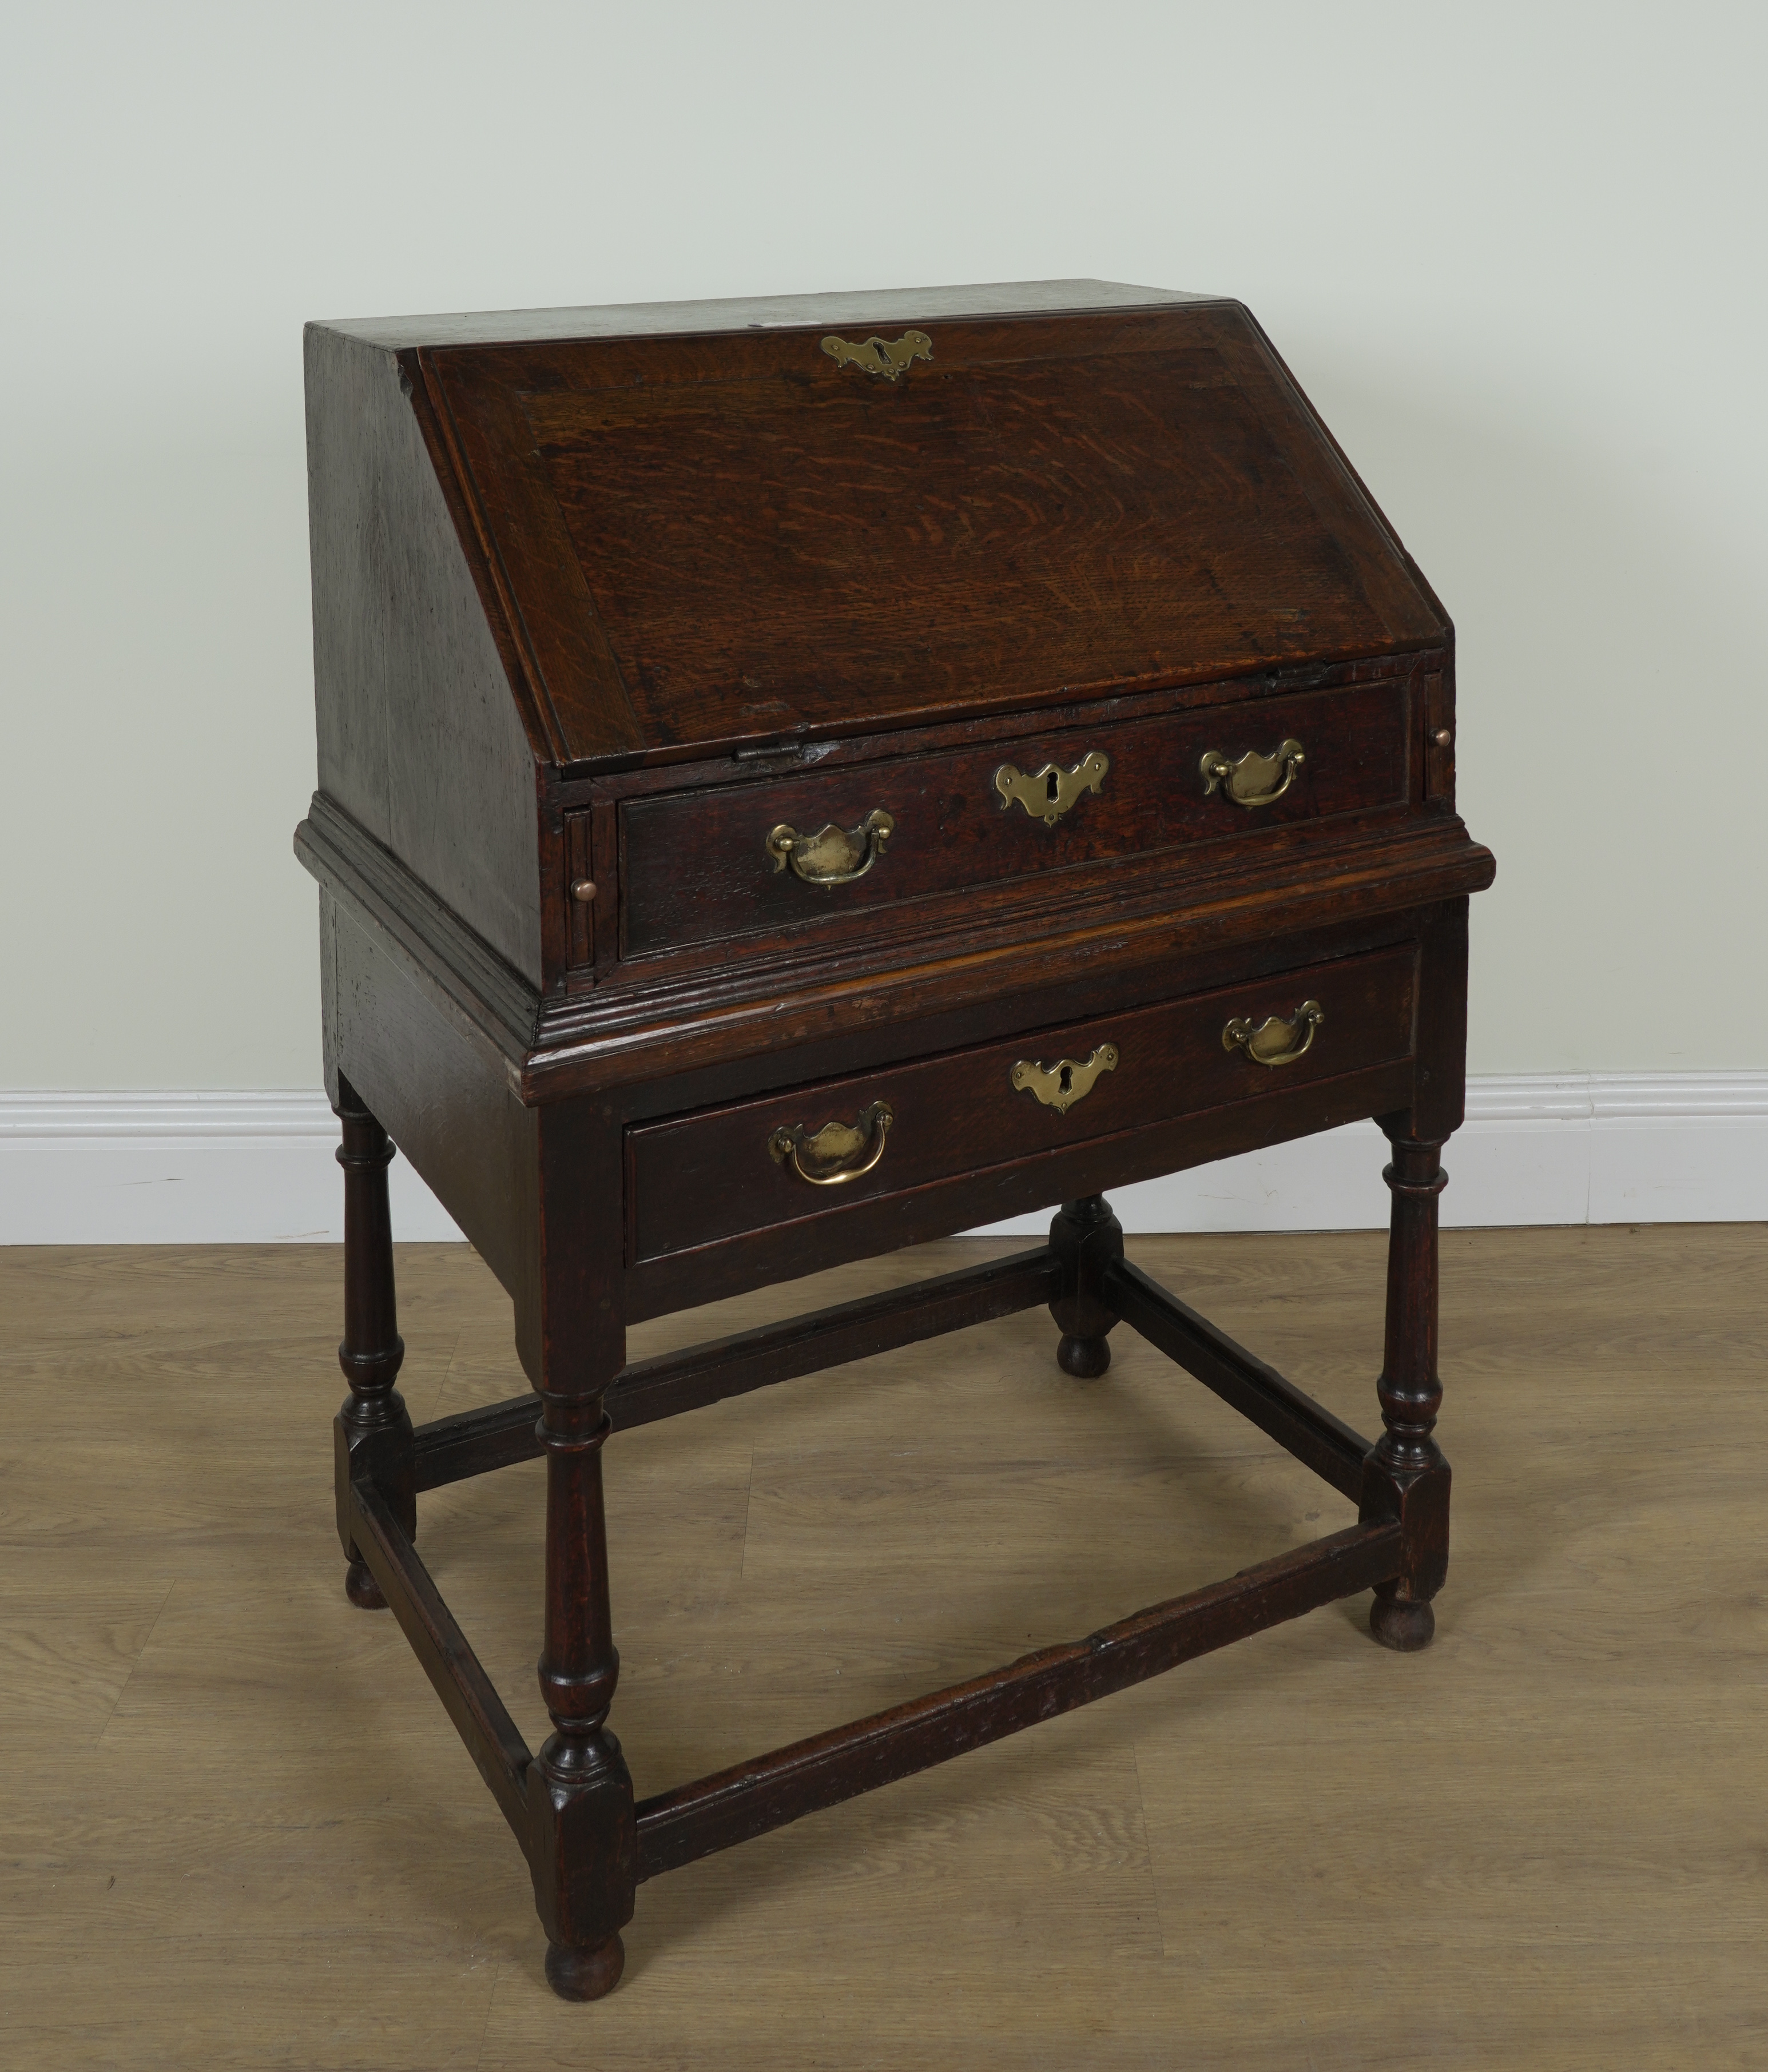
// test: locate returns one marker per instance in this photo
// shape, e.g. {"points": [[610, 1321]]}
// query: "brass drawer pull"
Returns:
{"points": [[1048, 793], [1060, 1085], [833, 856], [833, 1145], [1273, 1042], [1256, 779]]}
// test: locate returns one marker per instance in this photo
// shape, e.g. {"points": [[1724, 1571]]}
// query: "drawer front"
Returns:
{"points": [[697, 866], [763, 1163]]}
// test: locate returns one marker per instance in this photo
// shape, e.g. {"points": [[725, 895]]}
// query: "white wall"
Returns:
{"points": [[1514, 253]]}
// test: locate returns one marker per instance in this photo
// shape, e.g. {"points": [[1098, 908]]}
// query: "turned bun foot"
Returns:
{"points": [[1400, 1624], [585, 1975], [361, 1589], [1085, 1358]]}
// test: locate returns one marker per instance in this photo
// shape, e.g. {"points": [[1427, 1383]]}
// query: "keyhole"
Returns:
{"points": [[1065, 1080], [1050, 790]]}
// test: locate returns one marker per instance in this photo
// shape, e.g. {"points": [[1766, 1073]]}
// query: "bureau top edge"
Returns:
{"points": [[732, 313]]}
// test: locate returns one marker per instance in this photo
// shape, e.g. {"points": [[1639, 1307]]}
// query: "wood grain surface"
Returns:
{"points": [[704, 1177], [694, 866], [240, 1832], [714, 538]]}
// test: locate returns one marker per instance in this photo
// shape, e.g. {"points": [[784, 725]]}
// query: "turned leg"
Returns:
{"points": [[585, 1846], [583, 1838], [1405, 1476], [373, 1431], [1086, 1237]]}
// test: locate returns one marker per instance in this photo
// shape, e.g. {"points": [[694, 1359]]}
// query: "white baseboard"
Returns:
{"points": [[1580, 1147], [182, 1168]]}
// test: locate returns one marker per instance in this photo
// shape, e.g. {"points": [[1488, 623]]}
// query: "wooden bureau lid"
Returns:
{"points": [[932, 507]]}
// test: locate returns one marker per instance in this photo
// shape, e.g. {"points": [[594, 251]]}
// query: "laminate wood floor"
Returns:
{"points": [[238, 1830]]}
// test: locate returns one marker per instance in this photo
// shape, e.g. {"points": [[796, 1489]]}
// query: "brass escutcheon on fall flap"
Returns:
{"points": [[1274, 1042], [879, 356], [1047, 794], [833, 855], [834, 1152], [1060, 1085], [1256, 779]]}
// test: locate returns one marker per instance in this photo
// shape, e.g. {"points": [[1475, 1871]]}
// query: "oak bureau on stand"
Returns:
{"points": [[798, 778]]}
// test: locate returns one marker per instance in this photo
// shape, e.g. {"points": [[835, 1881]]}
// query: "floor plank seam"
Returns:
{"points": [[447, 1375], [1147, 1845], [140, 1655], [748, 1506], [491, 2009]]}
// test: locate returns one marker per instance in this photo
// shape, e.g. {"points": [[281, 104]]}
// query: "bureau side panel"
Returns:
{"points": [[420, 738], [446, 1101]]}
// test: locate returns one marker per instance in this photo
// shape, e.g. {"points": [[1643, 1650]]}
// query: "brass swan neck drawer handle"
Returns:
{"points": [[1256, 779], [1047, 794], [833, 855], [832, 1152], [1276, 1042], [1060, 1085]]}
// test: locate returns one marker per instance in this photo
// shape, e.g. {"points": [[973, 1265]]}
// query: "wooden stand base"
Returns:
{"points": [[571, 1809]]}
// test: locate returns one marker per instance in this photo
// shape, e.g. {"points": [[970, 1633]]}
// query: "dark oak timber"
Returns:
{"points": [[830, 1338], [372, 1430], [960, 1112], [475, 1441], [582, 1847], [697, 870], [1087, 1240], [1299, 1424], [802, 777], [736, 1804], [479, 1715], [1405, 1476]]}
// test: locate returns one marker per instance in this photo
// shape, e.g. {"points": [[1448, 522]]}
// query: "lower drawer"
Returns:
{"points": [[780, 1159]]}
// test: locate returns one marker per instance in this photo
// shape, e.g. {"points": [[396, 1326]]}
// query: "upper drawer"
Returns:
{"points": [[698, 866]]}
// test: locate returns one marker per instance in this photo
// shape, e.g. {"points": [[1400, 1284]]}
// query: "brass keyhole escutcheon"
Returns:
{"points": [[1048, 793], [880, 356], [1060, 1085]]}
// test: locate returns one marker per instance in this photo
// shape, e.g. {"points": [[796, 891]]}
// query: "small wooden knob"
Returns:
{"points": [[583, 891], [1442, 737]]}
